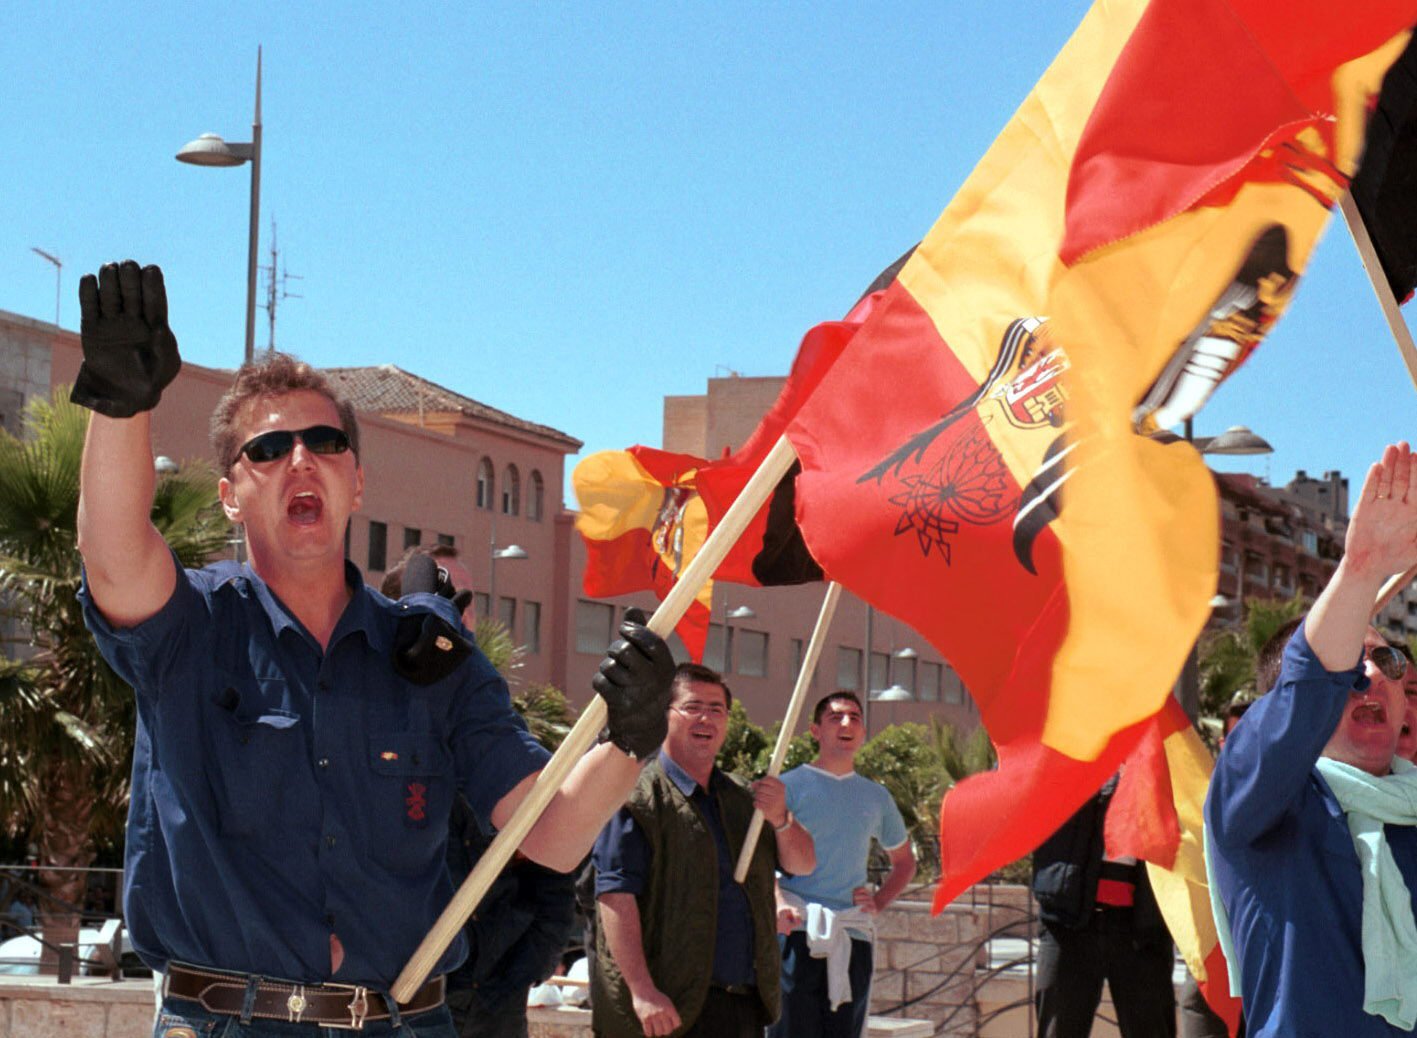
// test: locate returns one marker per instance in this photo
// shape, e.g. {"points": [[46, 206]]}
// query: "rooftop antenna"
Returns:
{"points": [[276, 289], [58, 269]]}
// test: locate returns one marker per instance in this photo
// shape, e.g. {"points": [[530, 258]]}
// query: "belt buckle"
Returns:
{"points": [[358, 1007], [296, 1004]]}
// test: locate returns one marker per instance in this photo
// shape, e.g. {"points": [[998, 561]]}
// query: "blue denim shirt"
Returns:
{"points": [[622, 861], [1285, 863], [281, 794]]}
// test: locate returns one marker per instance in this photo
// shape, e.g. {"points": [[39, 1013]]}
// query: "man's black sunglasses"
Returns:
{"points": [[276, 444], [1389, 661]]}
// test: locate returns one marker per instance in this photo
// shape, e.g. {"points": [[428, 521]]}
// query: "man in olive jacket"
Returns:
{"points": [[681, 949]]}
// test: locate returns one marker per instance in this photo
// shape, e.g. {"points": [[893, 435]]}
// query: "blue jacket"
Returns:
{"points": [[1284, 860]]}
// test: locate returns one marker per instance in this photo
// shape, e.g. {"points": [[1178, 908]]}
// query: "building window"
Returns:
{"points": [[446, 540], [378, 545], [348, 531], [484, 484], [714, 649], [412, 537], [954, 687], [880, 670], [799, 650], [507, 613], [531, 627], [511, 491], [752, 653], [481, 605], [930, 682], [535, 497], [594, 624], [905, 674], [848, 669]]}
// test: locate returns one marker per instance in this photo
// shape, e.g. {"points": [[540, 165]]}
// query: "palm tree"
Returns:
{"points": [[548, 714], [1227, 656], [66, 719]]}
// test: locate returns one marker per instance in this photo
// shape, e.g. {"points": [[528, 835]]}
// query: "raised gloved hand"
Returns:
{"points": [[636, 681], [427, 648], [130, 354]]}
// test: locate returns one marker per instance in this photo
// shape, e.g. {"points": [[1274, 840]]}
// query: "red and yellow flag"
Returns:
{"points": [[642, 521], [972, 462], [1157, 815]]}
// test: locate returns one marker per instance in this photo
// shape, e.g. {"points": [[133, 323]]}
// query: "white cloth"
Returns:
{"points": [[1389, 930], [827, 938]]}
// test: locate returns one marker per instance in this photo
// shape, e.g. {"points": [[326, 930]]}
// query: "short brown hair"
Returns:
{"points": [[1271, 655], [272, 374], [392, 584], [841, 693], [687, 672]]}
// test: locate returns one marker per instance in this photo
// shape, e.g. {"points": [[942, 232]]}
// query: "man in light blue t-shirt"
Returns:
{"points": [[826, 915]]}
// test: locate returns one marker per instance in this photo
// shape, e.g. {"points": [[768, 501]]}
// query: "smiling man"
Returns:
{"points": [[1309, 819], [291, 786], [827, 915], [681, 948]]}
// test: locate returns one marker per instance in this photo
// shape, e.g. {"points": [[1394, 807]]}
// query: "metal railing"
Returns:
{"points": [[28, 911]]}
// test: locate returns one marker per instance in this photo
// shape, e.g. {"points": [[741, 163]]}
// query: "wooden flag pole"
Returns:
{"points": [[789, 720], [1401, 334], [580, 739], [1396, 323]]}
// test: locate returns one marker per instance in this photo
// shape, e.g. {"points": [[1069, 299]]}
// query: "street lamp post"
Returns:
{"points": [[893, 695], [211, 150], [511, 551]]}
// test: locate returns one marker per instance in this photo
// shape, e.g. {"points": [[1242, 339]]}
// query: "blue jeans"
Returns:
{"points": [[806, 1009], [180, 1018]]}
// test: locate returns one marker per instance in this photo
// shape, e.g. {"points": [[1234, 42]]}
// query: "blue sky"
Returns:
{"points": [[569, 212]]}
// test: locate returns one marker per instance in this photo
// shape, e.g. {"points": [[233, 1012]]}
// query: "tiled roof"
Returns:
{"points": [[388, 389]]}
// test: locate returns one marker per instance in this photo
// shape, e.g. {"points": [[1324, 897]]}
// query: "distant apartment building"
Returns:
{"points": [[1278, 542]]}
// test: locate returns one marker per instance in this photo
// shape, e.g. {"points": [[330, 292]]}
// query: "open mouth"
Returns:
{"points": [[305, 508], [1369, 712]]}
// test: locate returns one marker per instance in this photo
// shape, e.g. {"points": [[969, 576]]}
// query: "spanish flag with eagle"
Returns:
{"points": [[978, 460]]}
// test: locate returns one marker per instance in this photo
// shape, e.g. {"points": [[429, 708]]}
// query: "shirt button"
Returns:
{"points": [[329, 841], [324, 685], [324, 762]]}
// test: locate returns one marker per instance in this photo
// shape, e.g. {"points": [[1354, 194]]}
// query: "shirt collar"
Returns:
{"points": [[683, 781], [359, 614]]}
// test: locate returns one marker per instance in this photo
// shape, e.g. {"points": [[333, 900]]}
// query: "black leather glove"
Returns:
{"points": [[130, 354], [426, 647], [636, 681]]}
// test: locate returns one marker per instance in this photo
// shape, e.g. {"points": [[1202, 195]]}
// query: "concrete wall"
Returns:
{"points": [[90, 1007]]}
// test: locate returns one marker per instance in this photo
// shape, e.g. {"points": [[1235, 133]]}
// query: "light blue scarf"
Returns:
{"points": [[1389, 931]]}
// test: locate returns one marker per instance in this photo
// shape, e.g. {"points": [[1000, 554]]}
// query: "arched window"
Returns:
{"points": [[535, 497], [511, 491], [484, 484]]}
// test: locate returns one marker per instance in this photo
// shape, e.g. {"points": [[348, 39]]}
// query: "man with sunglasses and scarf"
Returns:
{"points": [[1310, 816], [294, 767]]}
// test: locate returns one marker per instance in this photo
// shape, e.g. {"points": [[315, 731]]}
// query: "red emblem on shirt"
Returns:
{"points": [[416, 801]]}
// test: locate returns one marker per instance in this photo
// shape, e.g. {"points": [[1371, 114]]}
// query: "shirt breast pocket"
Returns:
{"points": [[256, 745], [413, 797]]}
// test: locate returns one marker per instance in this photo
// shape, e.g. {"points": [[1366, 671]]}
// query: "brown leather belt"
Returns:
{"points": [[344, 1006]]}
